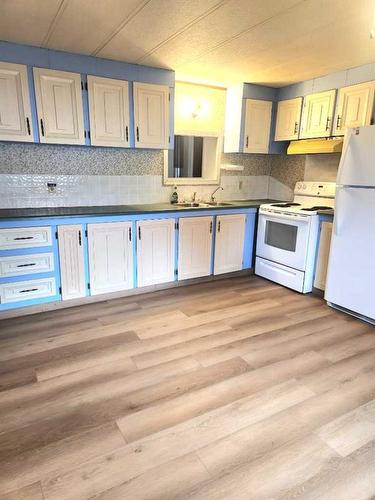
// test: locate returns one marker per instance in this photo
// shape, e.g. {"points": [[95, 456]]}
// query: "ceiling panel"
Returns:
{"points": [[301, 43], [229, 21], [159, 20], [85, 24], [27, 21]]}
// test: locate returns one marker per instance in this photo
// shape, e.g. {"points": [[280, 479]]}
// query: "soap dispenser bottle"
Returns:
{"points": [[174, 196]]}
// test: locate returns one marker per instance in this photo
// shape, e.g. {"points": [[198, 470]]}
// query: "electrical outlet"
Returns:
{"points": [[51, 186]]}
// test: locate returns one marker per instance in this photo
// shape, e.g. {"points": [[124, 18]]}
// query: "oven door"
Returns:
{"points": [[283, 238]]}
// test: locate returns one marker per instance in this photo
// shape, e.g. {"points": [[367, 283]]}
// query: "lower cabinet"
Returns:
{"points": [[229, 243], [110, 257], [155, 251], [194, 247], [72, 261]]}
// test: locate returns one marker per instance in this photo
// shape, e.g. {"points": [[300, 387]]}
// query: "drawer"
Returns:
{"points": [[17, 265], [25, 237], [280, 274], [27, 290]]}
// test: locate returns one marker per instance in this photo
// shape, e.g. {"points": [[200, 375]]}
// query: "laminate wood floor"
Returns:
{"points": [[232, 389]]}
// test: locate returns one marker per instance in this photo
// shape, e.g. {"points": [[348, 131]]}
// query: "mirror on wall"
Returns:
{"points": [[195, 159]]}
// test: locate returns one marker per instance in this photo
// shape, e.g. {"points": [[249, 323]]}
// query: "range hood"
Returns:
{"points": [[311, 146]]}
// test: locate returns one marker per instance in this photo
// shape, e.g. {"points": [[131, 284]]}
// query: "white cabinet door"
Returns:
{"points": [[109, 111], [194, 247], [151, 115], [72, 267], [317, 115], [59, 105], [323, 255], [257, 126], [110, 257], [354, 106], [155, 251], [15, 112], [288, 119], [229, 243]]}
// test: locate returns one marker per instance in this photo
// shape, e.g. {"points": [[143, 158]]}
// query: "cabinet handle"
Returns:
{"points": [[328, 123], [247, 141], [27, 265], [28, 125], [137, 133], [211, 227], [80, 238], [24, 238], [42, 126], [29, 290], [218, 227], [127, 133], [295, 127], [338, 122], [130, 234], [139, 232]]}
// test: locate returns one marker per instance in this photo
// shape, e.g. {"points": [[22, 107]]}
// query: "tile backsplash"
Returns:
{"points": [[21, 190], [112, 176]]}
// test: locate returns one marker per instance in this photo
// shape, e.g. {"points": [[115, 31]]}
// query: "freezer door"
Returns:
{"points": [[357, 164], [351, 267]]}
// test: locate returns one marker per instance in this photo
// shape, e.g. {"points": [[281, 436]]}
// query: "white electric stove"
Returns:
{"points": [[288, 235]]}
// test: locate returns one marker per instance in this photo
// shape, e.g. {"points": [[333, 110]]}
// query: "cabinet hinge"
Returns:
{"points": [[86, 86], [82, 87], [88, 286], [176, 272], [56, 235], [86, 233], [169, 97], [60, 290], [177, 226], [169, 139]]}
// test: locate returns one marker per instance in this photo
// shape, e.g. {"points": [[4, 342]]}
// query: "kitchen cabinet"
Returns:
{"points": [[229, 243], [72, 261], [257, 126], [317, 115], [59, 105], [288, 119], [194, 247], [354, 106], [15, 111], [323, 255], [109, 111], [155, 251], [151, 115], [110, 257]]}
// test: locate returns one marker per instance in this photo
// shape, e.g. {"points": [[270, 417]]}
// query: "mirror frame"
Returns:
{"points": [[189, 181]]}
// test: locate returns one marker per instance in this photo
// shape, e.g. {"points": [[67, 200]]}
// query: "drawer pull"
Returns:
{"points": [[24, 238], [29, 290], [27, 265]]}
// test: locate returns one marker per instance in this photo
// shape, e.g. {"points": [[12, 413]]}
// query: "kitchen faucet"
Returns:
{"points": [[212, 195]]}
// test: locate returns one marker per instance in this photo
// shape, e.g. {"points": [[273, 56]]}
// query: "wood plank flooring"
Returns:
{"points": [[232, 389]]}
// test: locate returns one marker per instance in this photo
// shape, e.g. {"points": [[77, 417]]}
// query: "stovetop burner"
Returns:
{"points": [[312, 209], [286, 205]]}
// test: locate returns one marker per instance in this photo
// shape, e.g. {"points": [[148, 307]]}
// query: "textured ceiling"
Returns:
{"points": [[274, 42]]}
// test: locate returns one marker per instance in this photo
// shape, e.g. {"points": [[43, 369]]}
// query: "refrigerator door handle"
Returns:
{"points": [[336, 216]]}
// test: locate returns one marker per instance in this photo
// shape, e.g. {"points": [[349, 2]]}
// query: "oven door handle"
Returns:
{"points": [[290, 218]]}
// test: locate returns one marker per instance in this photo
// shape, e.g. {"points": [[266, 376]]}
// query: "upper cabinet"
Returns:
{"points": [[109, 111], [257, 126], [59, 106], [151, 115], [288, 119], [317, 115], [354, 106], [15, 112]]}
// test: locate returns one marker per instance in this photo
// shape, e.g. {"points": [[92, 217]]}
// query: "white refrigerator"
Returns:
{"points": [[351, 269]]}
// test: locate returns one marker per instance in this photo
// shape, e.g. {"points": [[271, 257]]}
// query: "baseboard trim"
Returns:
{"points": [[51, 306]]}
